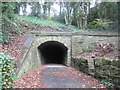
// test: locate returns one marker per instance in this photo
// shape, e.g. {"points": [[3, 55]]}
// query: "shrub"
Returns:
{"points": [[99, 23], [6, 71]]}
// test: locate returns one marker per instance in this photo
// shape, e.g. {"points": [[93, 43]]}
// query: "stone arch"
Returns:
{"points": [[53, 52], [31, 59], [66, 41]]}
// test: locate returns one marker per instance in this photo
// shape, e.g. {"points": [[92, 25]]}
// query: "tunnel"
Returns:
{"points": [[52, 52]]}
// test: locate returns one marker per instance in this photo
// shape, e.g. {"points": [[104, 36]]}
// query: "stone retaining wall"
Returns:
{"points": [[105, 69], [81, 43]]}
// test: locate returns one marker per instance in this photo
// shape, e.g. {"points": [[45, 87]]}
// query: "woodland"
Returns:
{"points": [[18, 18]]}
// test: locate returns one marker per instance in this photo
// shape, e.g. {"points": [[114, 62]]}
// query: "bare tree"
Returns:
{"points": [[68, 13]]}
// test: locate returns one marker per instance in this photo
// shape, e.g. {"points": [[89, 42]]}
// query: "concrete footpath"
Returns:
{"points": [[57, 76]]}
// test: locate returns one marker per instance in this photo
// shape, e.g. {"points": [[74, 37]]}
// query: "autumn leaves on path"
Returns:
{"points": [[57, 76]]}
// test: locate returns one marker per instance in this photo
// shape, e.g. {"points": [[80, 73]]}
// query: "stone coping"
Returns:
{"points": [[26, 48], [85, 33]]}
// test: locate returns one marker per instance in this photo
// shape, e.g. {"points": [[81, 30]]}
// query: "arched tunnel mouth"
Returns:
{"points": [[53, 52]]}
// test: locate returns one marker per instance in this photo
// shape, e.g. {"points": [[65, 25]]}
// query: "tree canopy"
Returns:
{"points": [[79, 14]]}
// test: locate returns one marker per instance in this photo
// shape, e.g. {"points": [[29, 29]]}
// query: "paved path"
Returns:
{"points": [[58, 76]]}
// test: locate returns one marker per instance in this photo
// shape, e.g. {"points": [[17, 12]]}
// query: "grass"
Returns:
{"points": [[44, 23], [54, 24]]}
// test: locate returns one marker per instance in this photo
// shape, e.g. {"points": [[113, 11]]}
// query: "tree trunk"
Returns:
{"points": [[68, 14], [45, 10], [86, 13], [49, 7], [60, 8], [38, 10], [24, 8], [49, 10], [96, 4]]}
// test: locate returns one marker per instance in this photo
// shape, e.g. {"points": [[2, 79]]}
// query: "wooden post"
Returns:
{"points": [[91, 67]]}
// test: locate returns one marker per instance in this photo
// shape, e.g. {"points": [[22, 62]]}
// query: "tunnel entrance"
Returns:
{"points": [[53, 52]]}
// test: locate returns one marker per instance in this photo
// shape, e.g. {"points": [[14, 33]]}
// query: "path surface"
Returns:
{"points": [[57, 76]]}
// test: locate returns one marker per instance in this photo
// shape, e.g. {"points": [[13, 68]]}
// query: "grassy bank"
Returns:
{"points": [[44, 23]]}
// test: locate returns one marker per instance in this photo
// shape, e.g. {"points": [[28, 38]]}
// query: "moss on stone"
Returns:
{"points": [[80, 64], [107, 69], [81, 42]]}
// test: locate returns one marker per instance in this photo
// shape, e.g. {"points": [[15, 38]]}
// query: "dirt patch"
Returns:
{"points": [[51, 29], [32, 79], [65, 29], [101, 50], [48, 29], [14, 48]]}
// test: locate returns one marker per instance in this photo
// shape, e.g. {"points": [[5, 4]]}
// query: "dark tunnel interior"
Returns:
{"points": [[53, 52]]}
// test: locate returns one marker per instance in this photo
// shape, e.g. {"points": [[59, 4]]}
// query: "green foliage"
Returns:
{"points": [[44, 23], [107, 70], [108, 10], [81, 42], [80, 64], [9, 25], [89, 49], [39, 22], [107, 83], [99, 23], [6, 71], [104, 10], [93, 14], [84, 50], [107, 15]]}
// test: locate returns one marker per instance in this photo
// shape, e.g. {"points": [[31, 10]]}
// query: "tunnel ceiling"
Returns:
{"points": [[53, 52]]}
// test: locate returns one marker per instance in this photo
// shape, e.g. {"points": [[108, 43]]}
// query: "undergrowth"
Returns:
{"points": [[7, 75], [40, 22], [44, 23]]}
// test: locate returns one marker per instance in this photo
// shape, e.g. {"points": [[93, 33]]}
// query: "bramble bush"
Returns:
{"points": [[7, 74]]}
